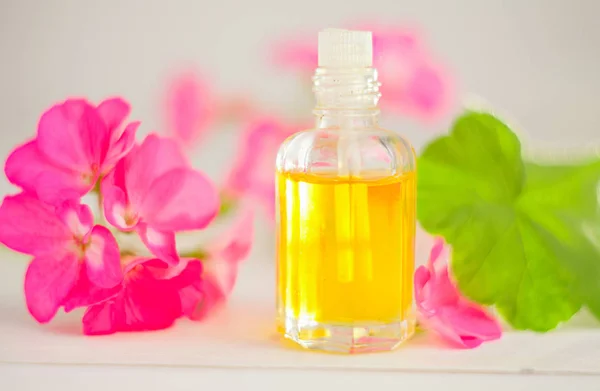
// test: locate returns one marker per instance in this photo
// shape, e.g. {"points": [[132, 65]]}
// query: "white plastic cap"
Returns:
{"points": [[345, 49]]}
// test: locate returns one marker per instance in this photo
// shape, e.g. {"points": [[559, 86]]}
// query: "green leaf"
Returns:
{"points": [[518, 231]]}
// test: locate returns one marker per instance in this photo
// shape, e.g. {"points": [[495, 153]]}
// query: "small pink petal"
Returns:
{"points": [[189, 108], [422, 277], [28, 168], [77, 217], [253, 172], [192, 299], [30, 226], [161, 244], [210, 297], [102, 258], [73, 136], [48, 280], [84, 293], [235, 247], [436, 252], [102, 318], [113, 112], [55, 187], [236, 243], [425, 92], [442, 309], [188, 283], [148, 262], [471, 325], [181, 199], [121, 147], [114, 201], [151, 305], [183, 273], [144, 303], [221, 268], [155, 157]]}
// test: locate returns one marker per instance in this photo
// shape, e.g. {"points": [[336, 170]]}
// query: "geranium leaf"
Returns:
{"points": [[518, 231]]}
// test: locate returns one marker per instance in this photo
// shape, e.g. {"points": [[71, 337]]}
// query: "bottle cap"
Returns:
{"points": [[345, 49]]}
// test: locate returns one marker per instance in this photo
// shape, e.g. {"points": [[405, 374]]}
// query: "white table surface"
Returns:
{"points": [[238, 347]]}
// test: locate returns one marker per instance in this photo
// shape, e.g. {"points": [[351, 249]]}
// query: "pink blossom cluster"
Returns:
{"points": [[148, 189]]}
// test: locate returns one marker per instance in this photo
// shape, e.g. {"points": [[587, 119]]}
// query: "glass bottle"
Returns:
{"points": [[346, 213]]}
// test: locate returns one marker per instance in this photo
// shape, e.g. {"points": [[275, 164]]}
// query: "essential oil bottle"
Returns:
{"points": [[346, 213]]}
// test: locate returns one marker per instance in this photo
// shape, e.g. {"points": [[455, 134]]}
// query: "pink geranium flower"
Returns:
{"points": [[190, 108], [220, 269], [65, 245], [76, 144], [154, 191], [253, 173], [444, 310], [413, 82], [147, 299]]}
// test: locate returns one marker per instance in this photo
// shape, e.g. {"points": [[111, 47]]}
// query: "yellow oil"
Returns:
{"points": [[345, 248]]}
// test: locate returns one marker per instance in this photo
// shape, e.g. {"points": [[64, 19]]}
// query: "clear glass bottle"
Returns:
{"points": [[346, 213]]}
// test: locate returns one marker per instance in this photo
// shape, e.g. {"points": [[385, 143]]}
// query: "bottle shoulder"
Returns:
{"points": [[358, 150]]}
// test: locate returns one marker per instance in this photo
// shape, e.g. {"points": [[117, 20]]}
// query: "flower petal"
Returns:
{"points": [[221, 269], [102, 258], [151, 304], [472, 324], [102, 318], [210, 297], [187, 280], [236, 243], [189, 108], [77, 217], [252, 173], [145, 303], [181, 199], [30, 226], [114, 200], [47, 282], [422, 277], [148, 162], [113, 112], [85, 293], [73, 136], [193, 301], [426, 92], [121, 147], [161, 244], [442, 309], [28, 168]]}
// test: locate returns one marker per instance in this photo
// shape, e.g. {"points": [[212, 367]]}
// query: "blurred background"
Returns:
{"points": [[535, 61]]}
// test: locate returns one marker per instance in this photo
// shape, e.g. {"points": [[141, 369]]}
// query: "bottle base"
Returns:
{"points": [[348, 338]]}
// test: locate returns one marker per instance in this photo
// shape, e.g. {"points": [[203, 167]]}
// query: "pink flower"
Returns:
{"points": [[442, 309], [76, 144], [65, 246], [413, 82], [220, 270], [154, 192], [189, 108], [297, 54], [253, 173], [147, 299]]}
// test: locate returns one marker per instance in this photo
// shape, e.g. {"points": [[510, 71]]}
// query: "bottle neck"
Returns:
{"points": [[346, 98]]}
